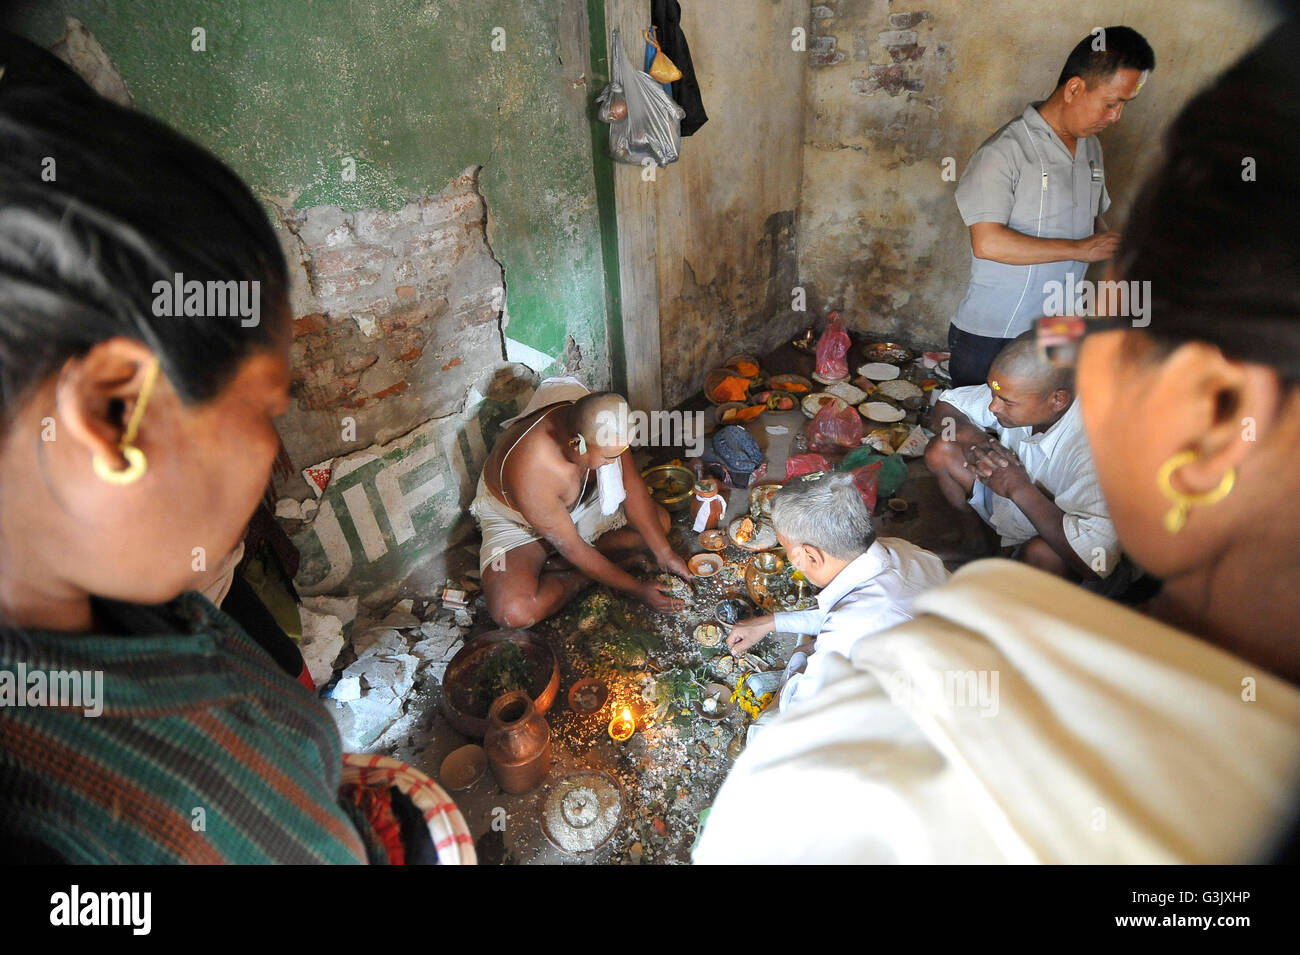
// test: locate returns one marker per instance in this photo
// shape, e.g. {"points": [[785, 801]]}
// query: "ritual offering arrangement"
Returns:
{"points": [[879, 371], [901, 390], [733, 412], [587, 696], [752, 535], [491, 665], [713, 540], [888, 438], [888, 352], [675, 586], [760, 499], [704, 565], [846, 392], [791, 384], [882, 411], [708, 505], [732, 610], [708, 634], [716, 703], [744, 365], [581, 811], [775, 585], [671, 485], [723, 384], [816, 402]]}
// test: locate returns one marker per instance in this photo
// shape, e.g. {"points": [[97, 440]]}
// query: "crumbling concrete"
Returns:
{"points": [[376, 690]]}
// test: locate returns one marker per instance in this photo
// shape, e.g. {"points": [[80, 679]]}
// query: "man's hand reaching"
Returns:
{"points": [[657, 595], [745, 634], [671, 563]]}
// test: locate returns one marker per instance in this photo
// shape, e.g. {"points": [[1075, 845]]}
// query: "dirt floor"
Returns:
{"points": [[671, 768]]}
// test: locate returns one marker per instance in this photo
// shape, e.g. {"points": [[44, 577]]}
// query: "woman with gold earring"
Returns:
{"points": [[134, 447], [1194, 419]]}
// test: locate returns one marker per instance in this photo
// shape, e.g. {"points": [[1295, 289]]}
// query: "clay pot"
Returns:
{"points": [[518, 743], [707, 495]]}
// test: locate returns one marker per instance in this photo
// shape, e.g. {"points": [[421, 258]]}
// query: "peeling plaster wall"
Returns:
{"points": [[895, 87], [725, 212]]}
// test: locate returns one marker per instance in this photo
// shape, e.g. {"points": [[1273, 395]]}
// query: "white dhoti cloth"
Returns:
{"points": [[504, 528]]}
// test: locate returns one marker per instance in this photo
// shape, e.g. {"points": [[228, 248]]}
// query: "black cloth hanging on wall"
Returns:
{"points": [[666, 16]]}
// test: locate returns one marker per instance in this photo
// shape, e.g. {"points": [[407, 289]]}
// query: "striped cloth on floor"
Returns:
{"points": [[205, 752]]}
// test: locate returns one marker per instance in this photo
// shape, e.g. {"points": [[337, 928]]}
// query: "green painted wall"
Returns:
{"points": [[414, 92]]}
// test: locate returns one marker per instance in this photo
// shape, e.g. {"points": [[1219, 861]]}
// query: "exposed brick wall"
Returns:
{"points": [[409, 304], [823, 46]]}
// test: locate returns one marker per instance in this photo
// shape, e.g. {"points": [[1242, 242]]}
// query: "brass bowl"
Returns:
{"points": [[768, 563], [658, 480]]}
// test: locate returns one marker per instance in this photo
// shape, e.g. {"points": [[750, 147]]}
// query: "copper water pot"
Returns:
{"points": [[518, 743]]}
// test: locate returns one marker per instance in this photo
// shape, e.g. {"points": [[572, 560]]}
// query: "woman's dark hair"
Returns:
{"points": [[1123, 48], [1215, 229], [97, 204]]}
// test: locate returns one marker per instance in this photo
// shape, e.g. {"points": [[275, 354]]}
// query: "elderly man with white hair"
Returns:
{"points": [[868, 583]]}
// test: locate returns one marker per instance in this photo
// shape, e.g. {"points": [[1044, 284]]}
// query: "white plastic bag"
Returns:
{"points": [[652, 130]]}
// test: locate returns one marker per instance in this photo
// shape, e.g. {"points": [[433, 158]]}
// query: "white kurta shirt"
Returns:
{"points": [[873, 592], [1059, 461], [1018, 718]]}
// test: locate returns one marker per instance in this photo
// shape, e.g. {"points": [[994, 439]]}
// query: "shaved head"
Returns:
{"points": [[1023, 364], [602, 418]]}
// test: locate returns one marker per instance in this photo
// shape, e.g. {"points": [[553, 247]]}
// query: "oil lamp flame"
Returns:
{"points": [[622, 726]]}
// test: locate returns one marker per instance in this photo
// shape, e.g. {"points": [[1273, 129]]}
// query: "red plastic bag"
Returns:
{"points": [[865, 478], [834, 432], [805, 464], [831, 349]]}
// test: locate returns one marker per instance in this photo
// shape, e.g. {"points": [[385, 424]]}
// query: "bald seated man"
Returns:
{"points": [[1014, 449], [555, 495]]}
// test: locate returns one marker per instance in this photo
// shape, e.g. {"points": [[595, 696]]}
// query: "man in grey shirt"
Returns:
{"points": [[1033, 196]]}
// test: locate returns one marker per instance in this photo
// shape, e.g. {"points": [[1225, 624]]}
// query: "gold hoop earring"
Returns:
{"points": [[135, 460], [134, 470], [1176, 516]]}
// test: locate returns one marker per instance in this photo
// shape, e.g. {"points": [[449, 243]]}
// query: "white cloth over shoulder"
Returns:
{"points": [[874, 592], [1059, 460], [1019, 719]]}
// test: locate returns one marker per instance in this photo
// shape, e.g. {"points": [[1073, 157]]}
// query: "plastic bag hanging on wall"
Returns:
{"points": [[660, 68], [612, 104], [652, 127]]}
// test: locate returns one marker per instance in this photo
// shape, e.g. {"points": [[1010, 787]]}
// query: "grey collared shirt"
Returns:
{"points": [[1025, 178]]}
